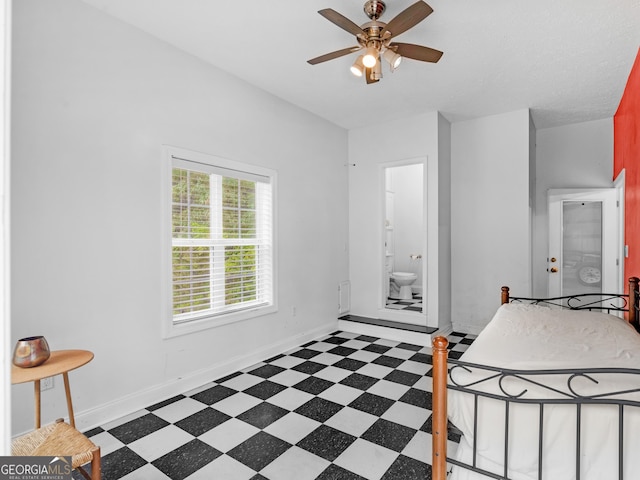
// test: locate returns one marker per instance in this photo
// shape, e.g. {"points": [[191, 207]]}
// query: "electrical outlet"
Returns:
{"points": [[46, 384]]}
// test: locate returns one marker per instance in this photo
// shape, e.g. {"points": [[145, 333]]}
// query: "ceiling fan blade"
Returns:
{"points": [[368, 77], [408, 18], [341, 21], [332, 55], [416, 52]]}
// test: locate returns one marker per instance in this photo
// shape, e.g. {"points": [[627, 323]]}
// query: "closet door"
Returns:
{"points": [[583, 242]]}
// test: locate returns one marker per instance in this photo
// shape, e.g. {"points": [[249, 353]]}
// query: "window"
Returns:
{"points": [[222, 252]]}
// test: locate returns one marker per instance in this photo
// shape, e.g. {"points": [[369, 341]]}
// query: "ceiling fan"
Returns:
{"points": [[375, 38]]}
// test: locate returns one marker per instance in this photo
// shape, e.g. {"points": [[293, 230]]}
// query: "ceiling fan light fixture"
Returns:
{"points": [[375, 39], [358, 67], [376, 72], [370, 58], [393, 58]]}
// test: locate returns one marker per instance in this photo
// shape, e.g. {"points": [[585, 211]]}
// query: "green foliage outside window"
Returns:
{"points": [[193, 217]]}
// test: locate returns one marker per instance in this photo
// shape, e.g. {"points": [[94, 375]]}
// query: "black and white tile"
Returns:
{"points": [[458, 343], [347, 406], [413, 305]]}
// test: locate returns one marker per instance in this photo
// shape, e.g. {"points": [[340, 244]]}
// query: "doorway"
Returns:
{"points": [[584, 242], [403, 292]]}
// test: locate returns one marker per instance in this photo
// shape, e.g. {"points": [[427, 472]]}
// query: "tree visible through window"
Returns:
{"points": [[221, 240]]}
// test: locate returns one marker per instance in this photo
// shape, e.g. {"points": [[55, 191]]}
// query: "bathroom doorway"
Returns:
{"points": [[404, 271]]}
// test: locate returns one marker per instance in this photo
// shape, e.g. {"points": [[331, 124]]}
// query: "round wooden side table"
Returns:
{"points": [[61, 362]]}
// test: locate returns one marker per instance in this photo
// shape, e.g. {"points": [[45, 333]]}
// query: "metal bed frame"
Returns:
{"points": [[565, 390]]}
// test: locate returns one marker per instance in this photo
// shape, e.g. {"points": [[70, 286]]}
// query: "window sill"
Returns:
{"points": [[185, 328]]}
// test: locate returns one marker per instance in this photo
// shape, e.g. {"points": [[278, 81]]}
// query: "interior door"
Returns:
{"points": [[583, 242]]}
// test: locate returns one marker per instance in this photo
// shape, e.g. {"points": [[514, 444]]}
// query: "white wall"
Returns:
{"points": [[490, 224], [571, 156], [443, 233], [404, 139], [93, 101], [5, 325]]}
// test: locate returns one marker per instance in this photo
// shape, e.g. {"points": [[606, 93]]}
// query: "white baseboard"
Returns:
{"points": [[120, 407]]}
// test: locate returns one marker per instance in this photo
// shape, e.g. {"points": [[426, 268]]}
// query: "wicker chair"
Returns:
{"points": [[60, 439]]}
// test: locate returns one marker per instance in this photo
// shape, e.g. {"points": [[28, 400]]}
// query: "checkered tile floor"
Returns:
{"points": [[414, 305], [345, 407]]}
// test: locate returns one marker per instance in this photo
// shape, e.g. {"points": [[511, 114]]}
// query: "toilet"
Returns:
{"points": [[401, 285]]}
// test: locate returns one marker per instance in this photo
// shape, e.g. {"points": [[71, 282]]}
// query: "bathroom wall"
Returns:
{"points": [[408, 216]]}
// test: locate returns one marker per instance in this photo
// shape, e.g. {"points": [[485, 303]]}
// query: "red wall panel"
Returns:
{"points": [[626, 154]]}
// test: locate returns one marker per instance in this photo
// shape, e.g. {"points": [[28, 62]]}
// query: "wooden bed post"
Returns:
{"points": [[633, 302], [439, 415], [505, 295]]}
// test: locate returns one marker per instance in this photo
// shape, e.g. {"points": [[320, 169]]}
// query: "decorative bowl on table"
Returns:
{"points": [[31, 352]]}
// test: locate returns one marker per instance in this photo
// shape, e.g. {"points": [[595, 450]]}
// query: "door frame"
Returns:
{"points": [[611, 241], [619, 184], [411, 317]]}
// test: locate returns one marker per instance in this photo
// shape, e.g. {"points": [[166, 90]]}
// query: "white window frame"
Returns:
{"points": [[171, 157]]}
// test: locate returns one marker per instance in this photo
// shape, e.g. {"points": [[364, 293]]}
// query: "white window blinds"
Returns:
{"points": [[222, 240]]}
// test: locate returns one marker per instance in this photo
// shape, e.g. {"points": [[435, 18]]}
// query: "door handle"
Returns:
{"points": [[553, 270]]}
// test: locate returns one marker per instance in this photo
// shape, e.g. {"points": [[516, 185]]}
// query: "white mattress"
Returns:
{"points": [[534, 337]]}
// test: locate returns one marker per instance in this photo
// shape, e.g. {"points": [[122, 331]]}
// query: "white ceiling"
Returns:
{"points": [[566, 60]]}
